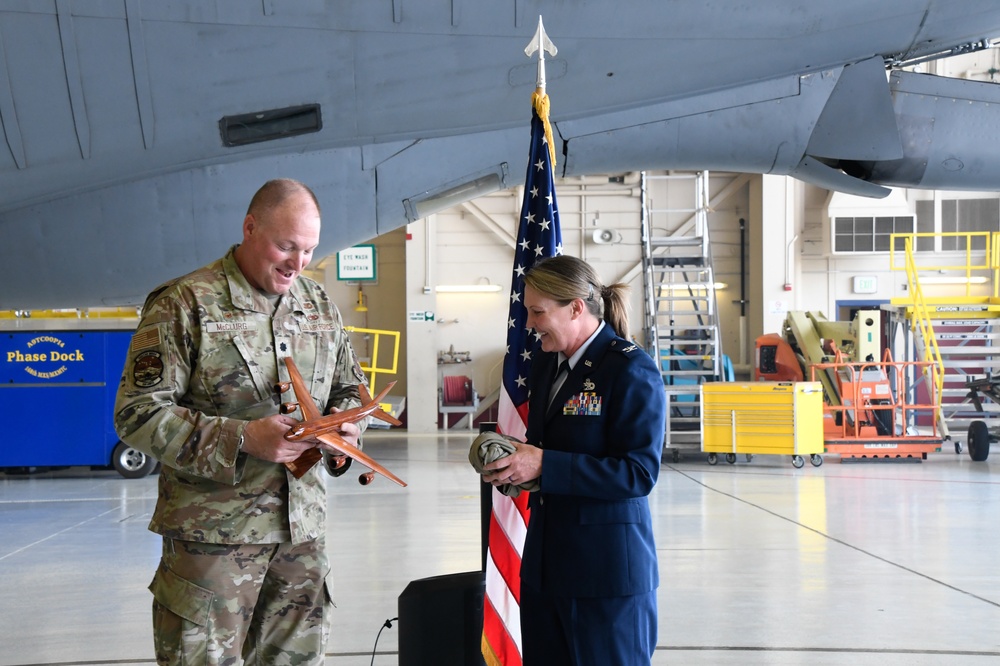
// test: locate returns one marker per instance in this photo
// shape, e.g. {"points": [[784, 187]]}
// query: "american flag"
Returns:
{"points": [[538, 236]]}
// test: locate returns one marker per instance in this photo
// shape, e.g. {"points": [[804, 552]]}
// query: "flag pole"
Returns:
{"points": [[541, 44], [538, 236]]}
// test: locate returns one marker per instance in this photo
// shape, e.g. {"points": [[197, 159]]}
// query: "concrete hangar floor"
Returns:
{"points": [[761, 563]]}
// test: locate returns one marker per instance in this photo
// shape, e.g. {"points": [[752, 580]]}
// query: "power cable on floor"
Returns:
{"points": [[385, 625]]}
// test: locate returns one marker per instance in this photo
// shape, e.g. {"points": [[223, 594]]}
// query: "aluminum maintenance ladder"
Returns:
{"points": [[681, 317]]}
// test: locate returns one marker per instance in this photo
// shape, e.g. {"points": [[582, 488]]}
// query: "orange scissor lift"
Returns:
{"points": [[879, 411]]}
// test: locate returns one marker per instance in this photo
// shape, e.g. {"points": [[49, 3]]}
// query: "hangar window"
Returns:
{"points": [[968, 215], [872, 234], [957, 216]]}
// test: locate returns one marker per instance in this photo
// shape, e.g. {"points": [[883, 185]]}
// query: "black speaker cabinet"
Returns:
{"points": [[441, 620]]}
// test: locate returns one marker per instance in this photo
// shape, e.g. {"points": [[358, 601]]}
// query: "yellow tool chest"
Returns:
{"points": [[779, 418]]}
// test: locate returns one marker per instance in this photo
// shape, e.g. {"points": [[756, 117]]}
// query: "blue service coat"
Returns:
{"points": [[590, 533]]}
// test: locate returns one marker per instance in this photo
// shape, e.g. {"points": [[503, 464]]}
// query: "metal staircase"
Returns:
{"points": [[960, 332], [969, 350], [681, 318]]}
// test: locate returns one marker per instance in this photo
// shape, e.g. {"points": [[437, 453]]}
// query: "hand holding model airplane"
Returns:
{"points": [[325, 428]]}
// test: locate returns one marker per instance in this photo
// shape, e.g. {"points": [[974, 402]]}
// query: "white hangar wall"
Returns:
{"points": [[791, 261]]}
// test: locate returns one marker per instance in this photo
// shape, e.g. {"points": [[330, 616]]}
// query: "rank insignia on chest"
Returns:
{"points": [[583, 404]]}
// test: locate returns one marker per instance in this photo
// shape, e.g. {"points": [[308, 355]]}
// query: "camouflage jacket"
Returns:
{"points": [[202, 363]]}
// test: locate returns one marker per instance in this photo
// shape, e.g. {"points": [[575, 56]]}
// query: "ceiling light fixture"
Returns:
{"points": [[467, 288], [954, 279]]}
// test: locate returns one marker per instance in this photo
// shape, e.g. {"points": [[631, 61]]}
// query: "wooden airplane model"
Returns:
{"points": [[324, 428]]}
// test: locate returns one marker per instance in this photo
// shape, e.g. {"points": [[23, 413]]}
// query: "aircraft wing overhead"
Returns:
{"points": [[134, 133]]}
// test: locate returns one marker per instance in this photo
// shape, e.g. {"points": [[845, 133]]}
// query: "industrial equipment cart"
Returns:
{"points": [[781, 418], [58, 382]]}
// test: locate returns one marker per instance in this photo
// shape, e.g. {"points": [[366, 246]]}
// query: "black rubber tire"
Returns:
{"points": [[979, 441], [882, 418], [131, 463]]}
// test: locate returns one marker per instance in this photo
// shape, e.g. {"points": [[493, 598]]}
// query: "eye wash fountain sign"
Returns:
{"points": [[357, 264], [42, 357]]}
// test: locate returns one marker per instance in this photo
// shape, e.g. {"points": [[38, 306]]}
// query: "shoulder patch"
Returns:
{"points": [[147, 338], [147, 369]]}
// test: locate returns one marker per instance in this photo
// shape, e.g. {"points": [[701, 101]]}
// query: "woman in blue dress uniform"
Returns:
{"points": [[594, 439]]}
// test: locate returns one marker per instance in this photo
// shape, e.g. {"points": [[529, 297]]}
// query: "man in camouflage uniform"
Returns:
{"points": [[244, 573]]}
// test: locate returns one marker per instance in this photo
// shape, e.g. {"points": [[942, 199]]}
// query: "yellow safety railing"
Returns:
{"points": [[921, 320], [979, 265], [972, 270], [994, 256], [373, 368]]}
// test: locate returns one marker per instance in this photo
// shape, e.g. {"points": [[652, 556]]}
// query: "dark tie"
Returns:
{"points": [[563, 369], [560, 377]]}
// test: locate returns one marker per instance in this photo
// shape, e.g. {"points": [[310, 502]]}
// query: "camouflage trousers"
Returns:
{"points": [[231, 604]]}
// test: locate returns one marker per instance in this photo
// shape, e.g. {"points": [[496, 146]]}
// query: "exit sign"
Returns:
{"points": [[865, 284]]}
